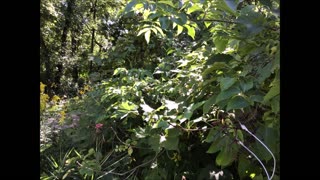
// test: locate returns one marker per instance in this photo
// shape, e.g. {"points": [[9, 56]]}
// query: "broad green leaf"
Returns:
{"points": [[196, 105], [172, 132], [180, 29], [214, 67], [266, 3], [191, 31], [220, 43], [138, 6], [183, 17], [216, 145], [237, 102], [147, 36], [264, 72], [227, 94], [207, 105], [246, 84], [127, 105], [130, 5], [213, 135], [274, 91], [219, 58], [153, 16], [244, 166], [189, 111], [222, 5], [154, 142], [227, 155], [226, 82], [256, 98], [171, 143], [167, 2], [207, 24], [253, 21], [161, 124], [194, 8], [164, 22]]}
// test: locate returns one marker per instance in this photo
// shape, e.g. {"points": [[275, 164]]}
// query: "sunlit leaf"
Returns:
{"points": [[194, 8], [180, 29], [147, 36]]}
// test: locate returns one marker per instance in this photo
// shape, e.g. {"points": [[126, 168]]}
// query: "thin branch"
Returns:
{"points": [[124, 173]]}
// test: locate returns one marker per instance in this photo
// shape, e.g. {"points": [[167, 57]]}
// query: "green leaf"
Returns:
{"points": [[207, 105], [216, 146], [154, 142], [207, 24], [275, 104], [161, 124], [180, 29], [227, 155], [264, 72], [166, 2], [171, 143], [189, 111], [219, 58], [120, 70], [246, 84], [274, 91], [172, 132], [164, 22], [138, 6], [183, 18], [237, 102], [127, 105], [220, 43], [191, 31], [227, 94], [194, 8], [159, 30], [213, 135], [226, 82], [147, 36], [225, 6], [244, 166], [215, 66], [266, 3], [130, 5]]}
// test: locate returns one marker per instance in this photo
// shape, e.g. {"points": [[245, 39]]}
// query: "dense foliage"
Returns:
{"points": [[159, 89]]}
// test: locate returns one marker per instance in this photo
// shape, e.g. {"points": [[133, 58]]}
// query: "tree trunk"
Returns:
{"points": [[94, 11], [67, 24]]}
